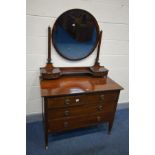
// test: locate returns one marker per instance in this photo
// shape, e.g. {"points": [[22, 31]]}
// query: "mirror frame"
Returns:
{"points": [[95, 44]]}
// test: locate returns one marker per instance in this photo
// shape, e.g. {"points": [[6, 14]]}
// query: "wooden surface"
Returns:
{"points": [[73, 102], [76, 84]]}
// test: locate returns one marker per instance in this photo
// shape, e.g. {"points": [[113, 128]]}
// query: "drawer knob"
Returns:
{"points": [[98, 118], [66, 113], [67, 101], [100, 108], [65, 124], [102, 97]]}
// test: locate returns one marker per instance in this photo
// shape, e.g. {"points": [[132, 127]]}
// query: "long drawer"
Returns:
{"points": [[81, 109], [58, 125], [81, 99]]}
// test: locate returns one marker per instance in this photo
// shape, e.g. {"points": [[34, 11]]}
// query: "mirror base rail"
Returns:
{"points": [[48, 73]]}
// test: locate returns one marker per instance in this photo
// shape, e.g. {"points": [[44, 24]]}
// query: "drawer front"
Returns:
{"points": [[81, 110], [81, 99], [58, 125]]}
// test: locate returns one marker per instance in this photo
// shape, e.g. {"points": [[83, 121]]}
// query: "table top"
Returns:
{"points": [[68, 85]]}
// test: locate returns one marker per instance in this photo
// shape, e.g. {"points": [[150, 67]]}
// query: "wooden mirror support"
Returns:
{"points": [[50, 72]]}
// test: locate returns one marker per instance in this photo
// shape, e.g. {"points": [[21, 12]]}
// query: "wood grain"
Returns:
{"points": [[58, 125], [77, 85]]}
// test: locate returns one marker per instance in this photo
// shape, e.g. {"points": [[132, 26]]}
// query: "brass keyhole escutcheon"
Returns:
{"points": [[77, 100]]}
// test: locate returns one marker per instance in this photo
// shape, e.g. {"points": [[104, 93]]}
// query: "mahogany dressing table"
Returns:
{"points": [[76, 97]]}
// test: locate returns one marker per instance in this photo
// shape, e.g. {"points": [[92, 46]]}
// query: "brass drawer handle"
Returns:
{"points": [[66, 113], [67, 101], [102, 97], [100, 108], [65, 124], [98, 118]]}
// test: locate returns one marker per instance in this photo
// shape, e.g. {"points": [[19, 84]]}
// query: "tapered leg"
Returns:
{"points": [[110, 126], [45, 123], [46, 141]]}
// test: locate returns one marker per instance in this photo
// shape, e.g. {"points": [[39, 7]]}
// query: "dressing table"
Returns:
{"points": [[76, 97]]}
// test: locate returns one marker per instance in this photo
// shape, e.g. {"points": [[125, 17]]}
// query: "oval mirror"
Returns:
{"points": [[75, 34]]}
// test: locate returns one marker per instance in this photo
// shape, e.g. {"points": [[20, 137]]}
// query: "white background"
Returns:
{"points": [[112, 16], [13, 77]]}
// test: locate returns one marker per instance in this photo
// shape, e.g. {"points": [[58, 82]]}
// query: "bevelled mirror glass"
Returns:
{"points": [[75, 34]]}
